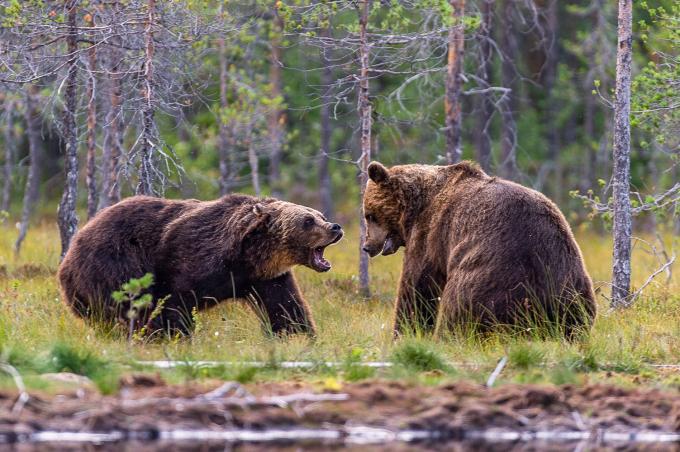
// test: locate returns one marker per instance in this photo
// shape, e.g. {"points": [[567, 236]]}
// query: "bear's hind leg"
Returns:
{"points": [[280, 305], [417, 304], [461, 311]]}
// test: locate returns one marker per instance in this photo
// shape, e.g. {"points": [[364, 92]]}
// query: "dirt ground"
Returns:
{"points": [[146, 406]]}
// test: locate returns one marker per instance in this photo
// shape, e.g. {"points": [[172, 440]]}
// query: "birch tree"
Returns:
{"points": [[622, 226], [91, 94], [364, 110], [325, 190], [224, 142], [32, 189], [146, 165], [8, 135], [67, 218]]}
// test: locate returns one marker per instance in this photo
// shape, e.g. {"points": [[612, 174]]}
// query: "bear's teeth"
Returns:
{"points": [[319, 259]]}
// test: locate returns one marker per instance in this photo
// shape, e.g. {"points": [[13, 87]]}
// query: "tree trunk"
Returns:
{"points": [[224, 143], [589, 175], [552, 107], [146, 169], [110, 189], [485, 108], [508, 163], [276, 117], [32, 118], [91, 179], [9, 154], [253, 161], [454, 83], [364, 107], [622, 227], [67, 218], [325, 188]]}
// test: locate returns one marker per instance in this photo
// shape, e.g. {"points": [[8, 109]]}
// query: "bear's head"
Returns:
{"points": [[383, 211], [299, 235], [395, 199]]}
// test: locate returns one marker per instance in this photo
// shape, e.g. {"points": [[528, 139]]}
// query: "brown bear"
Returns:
{"points": [[200, 253], [479, 251]]}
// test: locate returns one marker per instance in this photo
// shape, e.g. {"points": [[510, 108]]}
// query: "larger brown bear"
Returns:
{"points": [[479, 251], [200, 253]]}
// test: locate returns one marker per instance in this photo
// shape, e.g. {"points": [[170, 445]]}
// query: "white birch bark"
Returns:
{"points": [[622, 227], [365, 126]]}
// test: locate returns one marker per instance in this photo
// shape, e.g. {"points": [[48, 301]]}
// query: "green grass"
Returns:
{"points": [[34, 323], [418, 356], [525, 355]]}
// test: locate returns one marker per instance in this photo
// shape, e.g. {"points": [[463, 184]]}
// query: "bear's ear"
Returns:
{"points": [[378, 173], [259, 209]]}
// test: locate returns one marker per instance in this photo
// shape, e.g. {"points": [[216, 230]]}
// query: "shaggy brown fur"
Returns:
{"points": [[477, 249], [200, 254]]}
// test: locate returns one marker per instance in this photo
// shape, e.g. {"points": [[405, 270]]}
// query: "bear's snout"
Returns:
{"points": [[337, 230], [372, 251]]}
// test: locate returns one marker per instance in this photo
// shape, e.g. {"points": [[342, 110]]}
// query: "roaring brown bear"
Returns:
{"points": [[200, 253], [479, 251]]}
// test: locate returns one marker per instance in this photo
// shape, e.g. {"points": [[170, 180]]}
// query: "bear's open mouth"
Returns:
{"points": [[319, 263]]}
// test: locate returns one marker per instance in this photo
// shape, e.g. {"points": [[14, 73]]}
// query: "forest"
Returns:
{"points": [[101, 100]]}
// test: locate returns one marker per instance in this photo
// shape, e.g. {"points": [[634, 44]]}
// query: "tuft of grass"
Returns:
{"points": [[245, 374], [587, 361], [626, 365], [353, 369], [66, 358], [419, 356], [524, 355], [18, 358], [562, 375]]}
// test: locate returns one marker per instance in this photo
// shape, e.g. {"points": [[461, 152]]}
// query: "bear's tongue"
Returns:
{"points": [[318, 260]]}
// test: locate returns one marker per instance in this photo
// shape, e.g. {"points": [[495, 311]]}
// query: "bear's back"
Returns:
{"points": [[135, 222], [119, 243]]}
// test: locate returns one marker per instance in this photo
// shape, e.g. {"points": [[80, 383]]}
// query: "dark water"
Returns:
{"points": [[357, 438]]}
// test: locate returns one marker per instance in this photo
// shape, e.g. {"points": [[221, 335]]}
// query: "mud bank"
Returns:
{"points": [[148, 415]]}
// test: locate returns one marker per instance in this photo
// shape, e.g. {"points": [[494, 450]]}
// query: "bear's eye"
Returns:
{"points": [[309, 222], [370, 218]]}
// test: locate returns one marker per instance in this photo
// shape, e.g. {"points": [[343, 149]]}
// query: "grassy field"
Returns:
{"points": [[39, 334]]}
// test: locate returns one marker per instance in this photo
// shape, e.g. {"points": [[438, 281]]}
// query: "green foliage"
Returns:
{"points": [[132, 292], [562, 375], [352, 368], [74, 359], [133, 295], [67, 358], [586, 361], [418, 356], [524, 355], [245, 374], [655, 98]]}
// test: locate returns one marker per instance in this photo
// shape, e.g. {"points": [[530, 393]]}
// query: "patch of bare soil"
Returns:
{"points": [[146, 407]]}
